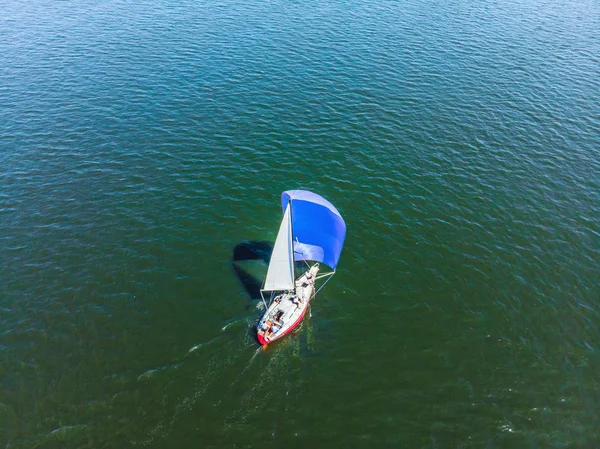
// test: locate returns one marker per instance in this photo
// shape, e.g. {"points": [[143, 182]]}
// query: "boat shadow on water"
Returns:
{"points": [[249, 258]]}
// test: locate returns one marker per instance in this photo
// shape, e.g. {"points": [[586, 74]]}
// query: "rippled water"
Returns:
{"points": [[141, 142]]}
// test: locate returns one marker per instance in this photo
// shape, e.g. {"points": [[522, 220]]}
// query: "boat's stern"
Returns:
{"points": [[261, 338]]}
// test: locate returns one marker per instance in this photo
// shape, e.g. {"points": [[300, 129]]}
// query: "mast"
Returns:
{"points": [[292, 244]]}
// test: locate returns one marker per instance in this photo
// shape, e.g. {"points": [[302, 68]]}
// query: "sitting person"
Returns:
{"points": [[264, 327], [296, 300], [273, 329]]}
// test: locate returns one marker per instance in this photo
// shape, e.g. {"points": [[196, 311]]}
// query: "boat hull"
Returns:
{"points": [[287, 309], [263, 341]]}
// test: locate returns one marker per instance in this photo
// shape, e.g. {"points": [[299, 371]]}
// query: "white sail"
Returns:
{"points": [[280, 274]]}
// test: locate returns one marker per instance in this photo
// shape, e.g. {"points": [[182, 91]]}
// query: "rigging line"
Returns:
{"points": [[324, 283]]}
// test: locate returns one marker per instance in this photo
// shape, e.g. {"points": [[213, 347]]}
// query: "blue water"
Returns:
{"points": [[140, 143]]}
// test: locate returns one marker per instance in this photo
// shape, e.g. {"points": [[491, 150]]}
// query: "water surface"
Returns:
{"points": [[141, 142]]}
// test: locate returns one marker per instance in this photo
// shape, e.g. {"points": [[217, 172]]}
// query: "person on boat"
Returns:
{"points": [[272, 330], [264, 327], [275, 327], [296, 300]]}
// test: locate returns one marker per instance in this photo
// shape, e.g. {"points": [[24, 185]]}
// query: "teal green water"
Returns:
{"points": [[140, 142]]}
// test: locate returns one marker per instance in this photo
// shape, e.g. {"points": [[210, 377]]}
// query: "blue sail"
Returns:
{"points": [[318, 229]]}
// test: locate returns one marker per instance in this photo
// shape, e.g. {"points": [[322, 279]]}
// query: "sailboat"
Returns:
{"points": [[312, 232]]}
